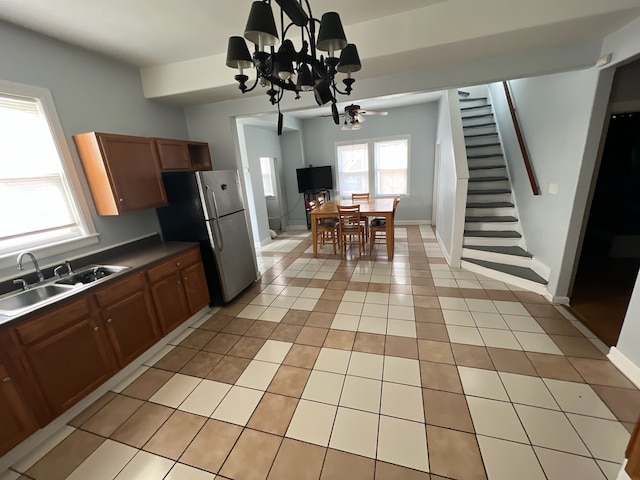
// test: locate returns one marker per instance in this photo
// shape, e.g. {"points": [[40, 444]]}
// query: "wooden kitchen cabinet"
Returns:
{"points": [[179, 289], [123, 172], [183, 155], [129, 318], [67, 353], [16, 420]]}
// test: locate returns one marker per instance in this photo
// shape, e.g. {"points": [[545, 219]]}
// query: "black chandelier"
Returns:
{"points": [[286, 68]]}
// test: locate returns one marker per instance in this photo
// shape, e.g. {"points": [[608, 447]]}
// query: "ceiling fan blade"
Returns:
{"points": [[369, 112], [360, 118]]}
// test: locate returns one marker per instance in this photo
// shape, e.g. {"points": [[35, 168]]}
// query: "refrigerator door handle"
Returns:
{"points": [[215, 205], [221, 243]]}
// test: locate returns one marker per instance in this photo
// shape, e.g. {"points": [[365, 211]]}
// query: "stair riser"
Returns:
{"points": [[506, 278], [475, 141], [493, 185], [488, 241], [482, 212], [468, 122], [482, 150], [500, 197], [501, 226], [489, 172], [497, 257], [485, 162], [486, 109], [470, 130], [473, 102]]}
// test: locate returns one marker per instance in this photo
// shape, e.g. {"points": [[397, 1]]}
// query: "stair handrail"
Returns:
{"points": [[523, 148]]}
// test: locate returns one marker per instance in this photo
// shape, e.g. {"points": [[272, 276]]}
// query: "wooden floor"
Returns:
{"points": [[601, 295]]}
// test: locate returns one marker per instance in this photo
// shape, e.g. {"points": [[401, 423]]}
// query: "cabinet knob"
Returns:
{"points": [[121, 200], [6, 380], [109, 320], [185, 279], [179, 282], [177, 264], [95, 329]]}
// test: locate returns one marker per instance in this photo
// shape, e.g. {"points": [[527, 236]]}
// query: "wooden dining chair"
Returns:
{"points": [[350, 228], [378, 227], [326, 229], [362, 197]]}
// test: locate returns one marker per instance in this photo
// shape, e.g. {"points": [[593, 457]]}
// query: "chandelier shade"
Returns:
{"points": [[261, 27], [289, 68], [238, 55]]}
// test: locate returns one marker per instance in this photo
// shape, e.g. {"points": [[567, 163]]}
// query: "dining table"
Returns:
{"points": [[374, 207]]}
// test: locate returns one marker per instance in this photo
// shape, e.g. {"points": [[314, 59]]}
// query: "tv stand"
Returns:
{"points": [[313, 195]]}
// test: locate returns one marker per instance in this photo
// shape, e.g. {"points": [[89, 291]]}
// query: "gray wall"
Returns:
{"points": [[91, 93], [319, 136], [555, 113], [260, 142], [292, 158]]}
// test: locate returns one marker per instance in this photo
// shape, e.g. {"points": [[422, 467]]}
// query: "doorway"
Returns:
{"points": [[610, 256]]}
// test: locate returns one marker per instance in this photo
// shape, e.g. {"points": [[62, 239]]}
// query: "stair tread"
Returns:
{"points": [[491, 218], [497, 191], [481, 135], [490, 205], [479, 125], [492, 233], [515, 251], [486, 167], [478, 116], [521, 272], [486, 155], [475, 107], [471, 99], [497, 144], [488, 179]]}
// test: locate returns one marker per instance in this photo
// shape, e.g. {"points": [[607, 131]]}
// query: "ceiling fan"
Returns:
{"points": [[353, 116]]}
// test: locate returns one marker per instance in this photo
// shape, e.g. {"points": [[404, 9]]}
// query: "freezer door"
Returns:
{"points": [[222, 192], [233, 252]]}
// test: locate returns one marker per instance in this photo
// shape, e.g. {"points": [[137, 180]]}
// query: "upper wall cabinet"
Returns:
{"points": [[123, 172], [183, 155]]}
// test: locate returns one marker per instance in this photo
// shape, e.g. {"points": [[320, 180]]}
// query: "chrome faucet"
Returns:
{"points": [[35, 264]]}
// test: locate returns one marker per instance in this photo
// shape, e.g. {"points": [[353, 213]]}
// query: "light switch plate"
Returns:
{"points": [[553, 188]]}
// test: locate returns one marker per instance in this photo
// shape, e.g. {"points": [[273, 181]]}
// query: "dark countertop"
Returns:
{"points": [[136, 255]]}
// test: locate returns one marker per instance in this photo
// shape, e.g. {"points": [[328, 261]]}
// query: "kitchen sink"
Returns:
{"points": [[91, 274], [28, 299]]}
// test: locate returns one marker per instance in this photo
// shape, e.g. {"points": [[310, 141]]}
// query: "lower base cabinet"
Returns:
{"points": [[65, 353], [16, 421]]}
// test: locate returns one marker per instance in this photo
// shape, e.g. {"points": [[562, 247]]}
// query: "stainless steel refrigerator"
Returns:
{"points": [[207, 207]]}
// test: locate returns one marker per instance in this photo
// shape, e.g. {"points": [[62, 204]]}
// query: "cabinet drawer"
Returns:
{"points": [[45, 325], [121, 289], [172, 265]]}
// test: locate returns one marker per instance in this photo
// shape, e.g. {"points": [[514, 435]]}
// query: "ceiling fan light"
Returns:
{"points": [[261, 27], [331, 34], [355, 124], [345, 125], [349, 60], [238, 55]]}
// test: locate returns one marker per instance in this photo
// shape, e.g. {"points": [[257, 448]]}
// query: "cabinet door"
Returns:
{"points": [[169, 299], [134, 171], [70, 364], [16, 421], [131, 326], [174, 154], [195, 287]]}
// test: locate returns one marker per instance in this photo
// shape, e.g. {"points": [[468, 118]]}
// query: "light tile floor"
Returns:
{"points": [[360, 369]]}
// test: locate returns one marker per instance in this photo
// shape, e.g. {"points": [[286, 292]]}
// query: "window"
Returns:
{"points": [[353, 168], [268, 176], [38, 202], [384, 173]]}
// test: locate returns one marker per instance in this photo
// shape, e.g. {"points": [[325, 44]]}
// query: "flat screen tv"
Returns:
{"points": [[314, 178]]}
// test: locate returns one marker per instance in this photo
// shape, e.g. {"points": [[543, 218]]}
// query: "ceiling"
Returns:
{"points": [[173, 42]]}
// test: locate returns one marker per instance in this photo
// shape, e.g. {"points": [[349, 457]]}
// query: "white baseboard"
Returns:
{"points": [[540, 268], [626, 366], [556, 300], [412, 222], [443, 248]]}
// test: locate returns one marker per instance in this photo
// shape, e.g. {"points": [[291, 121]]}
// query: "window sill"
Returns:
{"points": [[44, 252]]}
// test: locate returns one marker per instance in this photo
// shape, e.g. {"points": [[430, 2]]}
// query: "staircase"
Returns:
{"points": [[493, 244]]}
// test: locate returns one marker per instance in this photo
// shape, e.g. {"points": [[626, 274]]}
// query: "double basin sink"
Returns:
{"points": [[52, 290]]}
